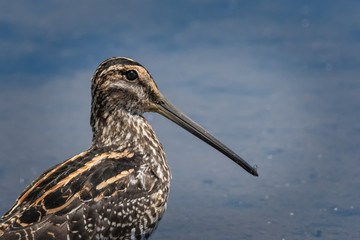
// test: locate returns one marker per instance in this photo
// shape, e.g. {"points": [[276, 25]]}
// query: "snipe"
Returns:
{"points": [[117, 189]]}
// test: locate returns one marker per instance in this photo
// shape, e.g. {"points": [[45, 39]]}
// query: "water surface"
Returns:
{"points": [[278, 83]]}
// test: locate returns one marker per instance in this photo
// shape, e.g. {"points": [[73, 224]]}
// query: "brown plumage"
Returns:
{"points": [[119, 187]]}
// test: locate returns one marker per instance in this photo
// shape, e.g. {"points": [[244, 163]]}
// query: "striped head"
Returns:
{"points": [[122, 84], [122, 87]]}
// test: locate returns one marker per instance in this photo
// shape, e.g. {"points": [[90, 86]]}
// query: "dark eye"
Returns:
{"points": [[131, 75]]}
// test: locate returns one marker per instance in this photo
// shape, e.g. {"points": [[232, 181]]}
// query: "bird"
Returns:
{"points": [[119, 187]]}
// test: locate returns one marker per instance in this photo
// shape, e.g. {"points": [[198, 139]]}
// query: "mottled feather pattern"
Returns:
{"points": [[79, 201], [118, 189]]}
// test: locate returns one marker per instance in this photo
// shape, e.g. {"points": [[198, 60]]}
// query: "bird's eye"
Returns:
{"points": [[131, 75]]}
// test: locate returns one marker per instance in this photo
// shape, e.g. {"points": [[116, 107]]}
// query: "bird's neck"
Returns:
{"points": [[120, 129]]}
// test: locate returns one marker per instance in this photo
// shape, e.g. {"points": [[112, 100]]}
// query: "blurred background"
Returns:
{"points": [[276, 81]]}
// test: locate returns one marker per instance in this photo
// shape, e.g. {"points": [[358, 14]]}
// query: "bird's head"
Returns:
{"points": [[122, 84]]}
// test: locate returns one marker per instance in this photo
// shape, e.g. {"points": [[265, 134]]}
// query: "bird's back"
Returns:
{"points": [[98, 193]]}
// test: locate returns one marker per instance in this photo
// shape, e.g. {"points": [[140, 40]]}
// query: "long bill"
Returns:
{"points": [[169, 111]]}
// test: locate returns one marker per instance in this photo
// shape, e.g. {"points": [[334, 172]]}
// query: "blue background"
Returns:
{"points": [[277, 81]]}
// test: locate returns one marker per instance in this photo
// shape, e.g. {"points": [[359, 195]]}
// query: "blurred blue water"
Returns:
{"points": [[278, 83]]}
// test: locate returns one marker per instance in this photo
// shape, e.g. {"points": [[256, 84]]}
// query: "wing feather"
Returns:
{"points": [[68, 192]]}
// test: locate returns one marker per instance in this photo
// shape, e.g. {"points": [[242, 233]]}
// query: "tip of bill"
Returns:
{"points": [[254, 171]]}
